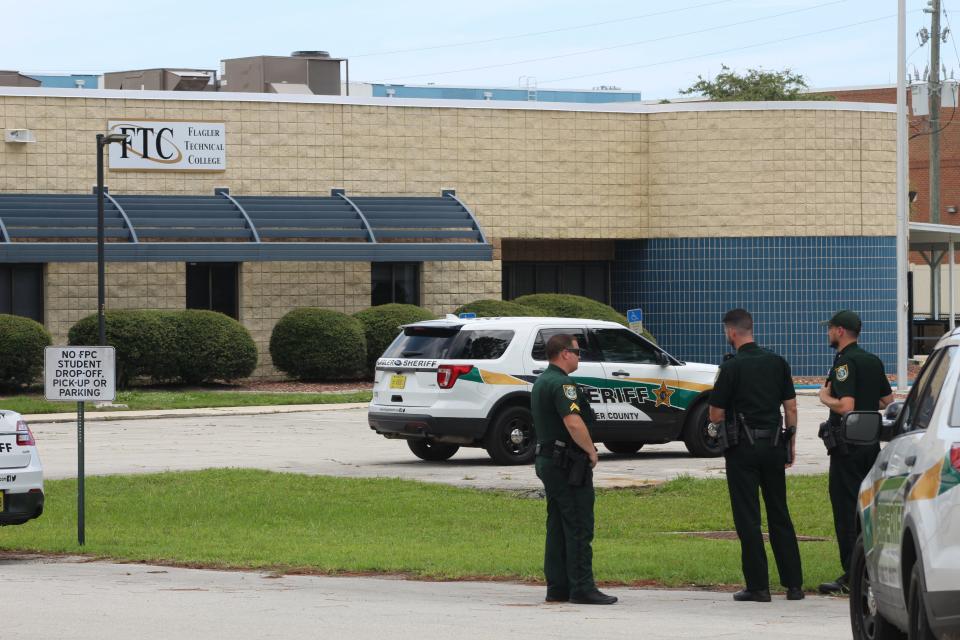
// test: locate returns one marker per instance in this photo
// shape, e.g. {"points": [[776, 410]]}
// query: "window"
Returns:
{"points": [[21, 290], [588, 279], [922, 402], [213, 286], [587, 353], [394, 282], [423, 342], [486, 344], [620, 345]]}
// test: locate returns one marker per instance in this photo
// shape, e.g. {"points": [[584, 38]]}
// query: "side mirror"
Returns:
{"points": [[890, 420], [861, 427], [662, 358]]}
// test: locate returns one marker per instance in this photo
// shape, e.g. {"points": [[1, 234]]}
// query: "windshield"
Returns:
{"points": [[423, 342]]}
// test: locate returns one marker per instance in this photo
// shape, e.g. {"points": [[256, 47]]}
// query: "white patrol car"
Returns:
{"points": [[905, 571], [21, 473], [446, 384]]}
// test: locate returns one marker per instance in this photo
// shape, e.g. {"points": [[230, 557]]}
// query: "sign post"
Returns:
{"points": [[635, 320], [79, 374]]}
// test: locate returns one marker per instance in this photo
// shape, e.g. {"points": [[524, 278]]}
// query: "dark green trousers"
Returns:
{"points": [[568, 555], [754, 469], [846, 474]]}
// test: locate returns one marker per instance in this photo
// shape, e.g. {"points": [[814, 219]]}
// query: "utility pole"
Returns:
{"points": [[934, 89]]}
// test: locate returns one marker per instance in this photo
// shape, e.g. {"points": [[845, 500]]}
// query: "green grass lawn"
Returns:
{"points": [[291, 522], [28, 403]]}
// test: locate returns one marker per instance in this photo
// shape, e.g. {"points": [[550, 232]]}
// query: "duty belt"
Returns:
{"points": [[546, 448], [760, 434]]}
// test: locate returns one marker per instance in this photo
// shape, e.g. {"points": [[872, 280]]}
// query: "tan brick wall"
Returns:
{"points": [[447, 285], [70, 290], [269, 290]]}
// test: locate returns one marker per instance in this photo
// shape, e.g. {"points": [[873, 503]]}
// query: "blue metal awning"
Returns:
{"points": [[54, 227]]}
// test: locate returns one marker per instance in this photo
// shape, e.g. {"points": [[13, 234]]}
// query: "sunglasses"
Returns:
{"points": [[574, 350]]}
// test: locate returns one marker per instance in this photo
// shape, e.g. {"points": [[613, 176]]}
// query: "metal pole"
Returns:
{"points": [[347, 64], [903, 327], [101, 292], [81, 537], [953, 315], [935, 142]]}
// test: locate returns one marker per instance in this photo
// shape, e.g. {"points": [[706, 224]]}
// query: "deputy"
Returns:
{"points": [[564, 462], [747, 396], [856, 382]]}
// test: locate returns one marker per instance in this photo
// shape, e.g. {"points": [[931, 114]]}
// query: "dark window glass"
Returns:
{"points": [[588, 279], [394, 282], [423, 342], [483, 344], [21, 290], [587, 351], [620, 345], [213, 286], [922, 402]]}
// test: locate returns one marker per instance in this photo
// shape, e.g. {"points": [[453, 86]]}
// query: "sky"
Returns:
{"points": [[650, 46]]}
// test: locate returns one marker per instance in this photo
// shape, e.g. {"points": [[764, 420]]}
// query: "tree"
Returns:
{"points": [[755, 84]]}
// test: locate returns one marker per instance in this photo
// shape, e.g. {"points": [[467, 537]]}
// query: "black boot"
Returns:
{"points": [[592, 597], [838, 586], [557, 595], [758, 595], [795, 593]]}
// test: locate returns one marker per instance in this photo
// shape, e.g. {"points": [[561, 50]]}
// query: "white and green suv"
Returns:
{"points": [[905, 570], [446, 384]]}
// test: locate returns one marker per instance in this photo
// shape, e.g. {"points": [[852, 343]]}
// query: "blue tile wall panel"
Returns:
{"points": [[789, 284]]}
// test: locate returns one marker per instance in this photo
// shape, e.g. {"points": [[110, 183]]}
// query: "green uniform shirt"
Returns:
{"points": [[754, 383], [858, 374], [555, 396]]}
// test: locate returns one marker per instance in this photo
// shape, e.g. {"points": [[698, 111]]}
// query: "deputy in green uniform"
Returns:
{"points": [[750, 388], [856, 382], [562, 443]]}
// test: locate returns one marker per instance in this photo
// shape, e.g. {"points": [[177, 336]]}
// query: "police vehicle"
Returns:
{"points": [[21, 473], [446, 384], [905, 571]]}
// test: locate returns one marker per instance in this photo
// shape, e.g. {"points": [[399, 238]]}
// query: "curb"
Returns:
{"points": [[103, 416]]}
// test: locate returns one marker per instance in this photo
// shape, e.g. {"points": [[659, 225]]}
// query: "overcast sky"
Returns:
{"points": [[652, 46]]}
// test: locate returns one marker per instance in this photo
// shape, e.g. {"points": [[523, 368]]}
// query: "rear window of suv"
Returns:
{"points": [[445, 343]]}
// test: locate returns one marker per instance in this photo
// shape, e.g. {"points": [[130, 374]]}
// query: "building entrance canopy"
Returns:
{"points": [[55, 227], [935, 242]]}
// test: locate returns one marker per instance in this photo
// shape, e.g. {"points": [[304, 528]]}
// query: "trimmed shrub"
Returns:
{"points": [[569, 306], [145, 342], [22, 341], [498, 309], [212, 346], [381, 324], [319, 344]]}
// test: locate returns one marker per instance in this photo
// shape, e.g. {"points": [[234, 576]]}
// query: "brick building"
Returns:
{"points": [[684, 210]]}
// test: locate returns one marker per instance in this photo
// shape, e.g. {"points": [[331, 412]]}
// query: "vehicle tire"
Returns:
{"points": [[919, 624], [695, 436], [866, 622], [510, 438], [432, 451], [623, 448]]}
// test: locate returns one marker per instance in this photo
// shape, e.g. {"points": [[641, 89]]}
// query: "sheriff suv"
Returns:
{"points": [[905, 571], [446, 384], [21, 473]]}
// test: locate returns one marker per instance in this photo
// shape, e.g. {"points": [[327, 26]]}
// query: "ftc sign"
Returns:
{"points": [[158, 145]]}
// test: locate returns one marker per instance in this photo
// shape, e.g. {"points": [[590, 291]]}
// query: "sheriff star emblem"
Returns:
{"points": [[570, 390], [662, 394], [843, 372]]}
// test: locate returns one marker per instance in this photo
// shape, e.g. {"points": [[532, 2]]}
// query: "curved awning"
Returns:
{"points": [[54, 227]]}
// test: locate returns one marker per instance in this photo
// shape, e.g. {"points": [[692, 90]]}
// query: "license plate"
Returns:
{"points": [[398, 382]]}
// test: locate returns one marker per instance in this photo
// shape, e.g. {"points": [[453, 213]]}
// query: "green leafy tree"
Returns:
{"points": [[755, 84]]}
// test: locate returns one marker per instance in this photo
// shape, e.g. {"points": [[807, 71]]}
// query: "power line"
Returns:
{"points": [[541, 33], [619, 46], [722, 51]]}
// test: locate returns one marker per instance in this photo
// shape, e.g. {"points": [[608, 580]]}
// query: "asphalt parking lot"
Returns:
{"points": [[338, 442]]}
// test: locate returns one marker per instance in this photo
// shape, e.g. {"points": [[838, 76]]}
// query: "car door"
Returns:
{"points": [[590, 372], [638, 387], [897, 467]]}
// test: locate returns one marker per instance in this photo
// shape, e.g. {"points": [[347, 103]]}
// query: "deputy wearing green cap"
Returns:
{"points": [[856, 382]]}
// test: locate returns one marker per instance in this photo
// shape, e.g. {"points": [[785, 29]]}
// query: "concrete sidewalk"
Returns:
{"points": [[123, 414], [80, 600]]}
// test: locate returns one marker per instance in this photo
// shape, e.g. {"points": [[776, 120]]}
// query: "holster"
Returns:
{"points": [[832, 439]]}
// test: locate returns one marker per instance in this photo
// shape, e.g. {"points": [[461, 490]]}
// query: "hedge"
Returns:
{"points": [[193, 345], [319, 344], [564, 305], [145, 342], [213, 346], [22, 342], [497, 309], [381, 324]]}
